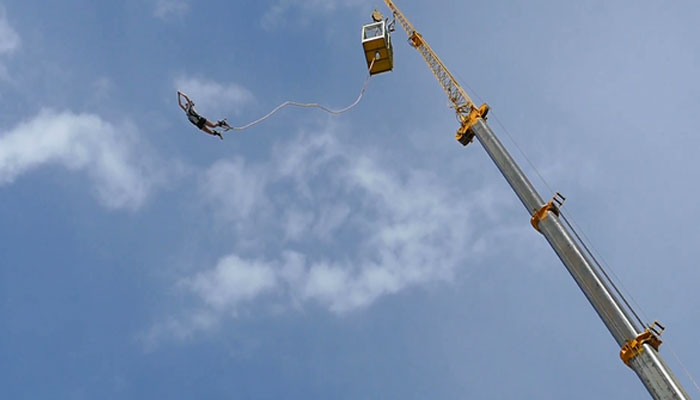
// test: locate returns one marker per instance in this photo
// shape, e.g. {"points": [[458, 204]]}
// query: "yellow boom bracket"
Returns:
{"points": [[465, 135], [553, 206], [541, 214], [635, 347]]}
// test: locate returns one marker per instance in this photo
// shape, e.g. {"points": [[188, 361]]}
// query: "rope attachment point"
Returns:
{"points": [[635, 347], [553, 206]]}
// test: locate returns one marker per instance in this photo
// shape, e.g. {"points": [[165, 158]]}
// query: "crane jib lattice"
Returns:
{"points": [[467, 112]]}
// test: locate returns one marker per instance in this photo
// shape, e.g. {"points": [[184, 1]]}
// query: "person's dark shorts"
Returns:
{"points": [[197, 120]]}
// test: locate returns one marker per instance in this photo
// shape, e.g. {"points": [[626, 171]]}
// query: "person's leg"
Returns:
{"points": [[212, 132], [222, 123]]}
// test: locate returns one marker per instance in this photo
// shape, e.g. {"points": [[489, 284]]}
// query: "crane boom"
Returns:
{"points": [[639, 345], [461, 101], [467, 111]]}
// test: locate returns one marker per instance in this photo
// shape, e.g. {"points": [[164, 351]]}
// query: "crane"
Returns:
{"points": [[639, 344]]}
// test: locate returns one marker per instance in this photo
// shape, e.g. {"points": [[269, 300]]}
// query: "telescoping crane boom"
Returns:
{"points": [[639, 344]]}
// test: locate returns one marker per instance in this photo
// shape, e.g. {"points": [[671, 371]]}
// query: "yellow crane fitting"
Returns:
{"points": [[635, 346], [542, 214], [553, 206]]}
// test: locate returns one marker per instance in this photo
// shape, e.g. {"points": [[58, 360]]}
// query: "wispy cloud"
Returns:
{"points": [[232, 281], [9, 39], [397, 220], [194, 322], [169, 9], [334, 226], [213, 97], [80, 142], [235, 190], [9, 43], [280, 13]]}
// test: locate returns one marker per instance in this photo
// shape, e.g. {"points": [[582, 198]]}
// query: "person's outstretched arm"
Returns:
{"points": [[180, 95]]}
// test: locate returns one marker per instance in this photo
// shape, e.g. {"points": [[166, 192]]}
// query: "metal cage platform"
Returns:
{"points": [[376, 42]]}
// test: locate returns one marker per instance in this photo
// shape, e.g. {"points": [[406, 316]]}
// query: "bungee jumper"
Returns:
{"points": [[378, 53], [199, 121]]}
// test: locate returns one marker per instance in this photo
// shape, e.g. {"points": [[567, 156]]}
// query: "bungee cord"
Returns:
{"points": [[307, 105]]}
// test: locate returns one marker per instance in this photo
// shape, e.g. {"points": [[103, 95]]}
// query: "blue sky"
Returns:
{"points": [[367, 255]]}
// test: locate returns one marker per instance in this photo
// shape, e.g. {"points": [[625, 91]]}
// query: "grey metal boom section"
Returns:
{"points": [[649, 366]]}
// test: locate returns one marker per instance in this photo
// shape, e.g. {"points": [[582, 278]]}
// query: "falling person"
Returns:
{"points": [[199, 121]]}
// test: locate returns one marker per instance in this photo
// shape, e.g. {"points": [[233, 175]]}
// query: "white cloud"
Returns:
{"points": [[168, 9], [213, 98], [232, 281], [236, 191], [322, 222], [340, 228], [194, 322], [9, 39], [280, 13], [80, 142]]}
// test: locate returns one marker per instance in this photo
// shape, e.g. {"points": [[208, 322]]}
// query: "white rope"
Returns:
{"points": [[308, 105]]}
